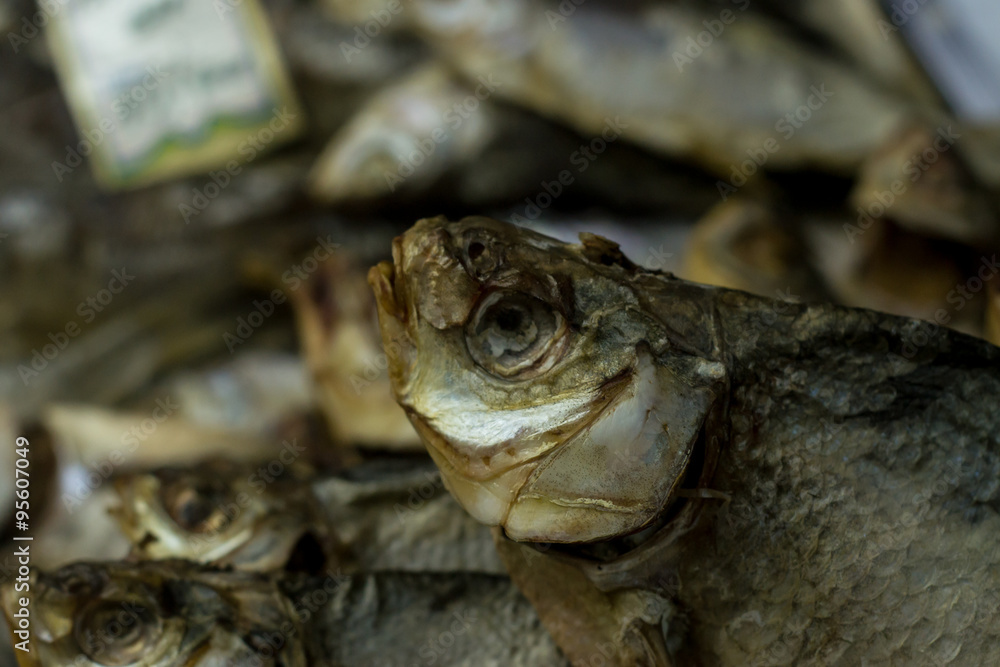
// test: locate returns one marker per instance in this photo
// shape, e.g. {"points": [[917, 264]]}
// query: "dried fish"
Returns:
{"points": [[721, 478], [380, 515], [859, 29], [177, 613], [715, 86], [406, 137], [992, 325], [920, 182], [740, 245], [336, 319], [396, 515], [245, 516]]}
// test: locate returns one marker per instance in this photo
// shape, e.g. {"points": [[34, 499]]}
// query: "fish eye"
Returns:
{"points": [[117, 632], [78, 580], [515, 335], [196, 506]]}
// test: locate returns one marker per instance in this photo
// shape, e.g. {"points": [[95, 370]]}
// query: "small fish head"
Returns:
{"points": [[220, 512], [530, 370]]}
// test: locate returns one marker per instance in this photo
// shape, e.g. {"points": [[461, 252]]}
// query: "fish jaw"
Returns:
{"points": [[620, 472]]}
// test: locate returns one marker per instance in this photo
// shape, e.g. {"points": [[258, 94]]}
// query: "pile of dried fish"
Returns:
{"points": [[521, 449]]}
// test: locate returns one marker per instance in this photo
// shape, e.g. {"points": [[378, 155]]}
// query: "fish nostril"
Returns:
{"points": [[475, 250]]}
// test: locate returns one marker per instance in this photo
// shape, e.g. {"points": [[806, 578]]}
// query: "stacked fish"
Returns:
{"points": [[241, 454]]}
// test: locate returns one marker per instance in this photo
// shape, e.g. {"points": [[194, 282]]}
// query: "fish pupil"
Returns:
{"points": [[475, 250], [510, 319]]}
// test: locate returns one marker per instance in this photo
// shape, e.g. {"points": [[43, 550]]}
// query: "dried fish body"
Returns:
{"points": [[711, 103], [335, 314], [873, 263], [406, 137], [255, 393], [335, 48], [173, 612], [155, 613], [400, 517], [89, 436], [756, 477], [858, 28], [921, 182], [449, 618], [992, 325]]}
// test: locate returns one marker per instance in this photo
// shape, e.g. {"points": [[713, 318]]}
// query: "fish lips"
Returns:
{"points": [[423, 282]]}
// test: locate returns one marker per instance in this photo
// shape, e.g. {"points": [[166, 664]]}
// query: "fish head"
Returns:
{"points": [[153, 614], [554, 403], [219, 512]]}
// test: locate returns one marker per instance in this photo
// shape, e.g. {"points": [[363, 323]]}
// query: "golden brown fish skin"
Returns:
{"points": [[849, 461], [335, 317], [742, 244]]}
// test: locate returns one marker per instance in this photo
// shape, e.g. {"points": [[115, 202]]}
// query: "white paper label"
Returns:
{"points": [[165, 87]]}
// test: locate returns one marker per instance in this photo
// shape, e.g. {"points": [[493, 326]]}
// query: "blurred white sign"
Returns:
{"points": [[161, 88]]}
